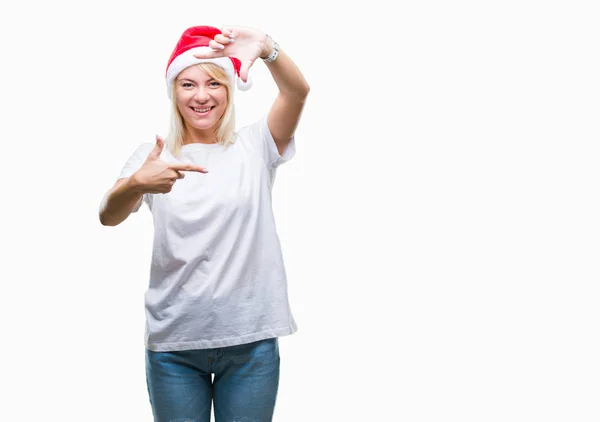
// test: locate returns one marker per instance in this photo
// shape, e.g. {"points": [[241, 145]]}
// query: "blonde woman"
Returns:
{"points": [[217, 299]]}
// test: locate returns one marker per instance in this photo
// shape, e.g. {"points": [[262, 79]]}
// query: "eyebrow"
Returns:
{"points": [[193, 81]]}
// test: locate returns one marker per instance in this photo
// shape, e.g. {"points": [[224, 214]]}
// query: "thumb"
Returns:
{"points": [[244, 69], [158, 148]]}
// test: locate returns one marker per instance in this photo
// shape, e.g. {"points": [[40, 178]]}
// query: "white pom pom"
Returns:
{"points": [[244, 86]]}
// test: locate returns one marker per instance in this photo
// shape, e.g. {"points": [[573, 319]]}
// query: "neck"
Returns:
{"points": [[200, 136]]}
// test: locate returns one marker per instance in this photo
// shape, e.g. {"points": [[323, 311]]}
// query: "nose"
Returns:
{"points": [[201, 94]]}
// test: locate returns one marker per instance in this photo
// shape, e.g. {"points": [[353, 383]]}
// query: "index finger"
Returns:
{"points": [[187, 167], [217, 51]]}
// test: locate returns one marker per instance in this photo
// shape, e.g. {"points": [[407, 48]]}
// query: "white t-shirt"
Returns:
{"points": [[217, 276]]}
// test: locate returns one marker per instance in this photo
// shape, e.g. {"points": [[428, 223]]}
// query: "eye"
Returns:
{"points": [[186, 85], [214, 84]]}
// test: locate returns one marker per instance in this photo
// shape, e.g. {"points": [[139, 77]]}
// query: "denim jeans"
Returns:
{"points": [[246, 378]]}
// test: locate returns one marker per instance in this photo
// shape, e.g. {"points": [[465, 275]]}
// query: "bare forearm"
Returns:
{"points": [[286, 74], [119, 202]]}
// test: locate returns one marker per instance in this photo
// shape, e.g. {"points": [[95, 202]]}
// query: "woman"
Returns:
{"points": [[217, 298]]}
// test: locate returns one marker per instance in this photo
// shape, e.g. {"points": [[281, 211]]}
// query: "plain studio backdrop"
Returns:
{"points": [[439, 222]]}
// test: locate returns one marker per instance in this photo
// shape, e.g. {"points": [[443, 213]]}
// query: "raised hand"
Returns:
{"points": [[247, 44], [157, 176]]}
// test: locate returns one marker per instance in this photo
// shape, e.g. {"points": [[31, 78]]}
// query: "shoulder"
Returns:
{"points": [[139, 154], [142, 150], [145, 147], [254, 130]]}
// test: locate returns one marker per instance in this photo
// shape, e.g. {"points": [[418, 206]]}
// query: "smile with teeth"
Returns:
{"points": [[202, 110]]}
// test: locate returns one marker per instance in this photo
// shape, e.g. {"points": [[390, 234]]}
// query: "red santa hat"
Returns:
{"points": [[193, 41]]}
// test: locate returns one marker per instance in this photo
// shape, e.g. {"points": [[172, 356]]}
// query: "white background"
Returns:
{"points": [[439, 222]]}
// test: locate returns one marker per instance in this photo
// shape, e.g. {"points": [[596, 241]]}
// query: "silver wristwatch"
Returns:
{"points": [[271, 57]]}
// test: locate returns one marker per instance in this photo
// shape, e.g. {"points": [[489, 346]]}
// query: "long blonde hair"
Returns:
{"points": [[225, 125]]}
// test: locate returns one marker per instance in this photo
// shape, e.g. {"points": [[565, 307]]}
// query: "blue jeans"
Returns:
{"points": [[246, 378]]}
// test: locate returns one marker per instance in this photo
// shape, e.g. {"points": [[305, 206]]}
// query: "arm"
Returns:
{"points": [[154, 176], [119, 202], [285, 112], [248, 44]]}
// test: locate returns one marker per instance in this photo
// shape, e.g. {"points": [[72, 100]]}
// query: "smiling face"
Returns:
{"points": [[201, 98]]}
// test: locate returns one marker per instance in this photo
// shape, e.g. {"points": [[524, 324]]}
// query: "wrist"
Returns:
{"points": [[134, 184], [267, 47], [270, 50]]}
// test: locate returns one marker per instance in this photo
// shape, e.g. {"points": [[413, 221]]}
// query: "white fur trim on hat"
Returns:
{"points": [[187, 59], [244, 86]]}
